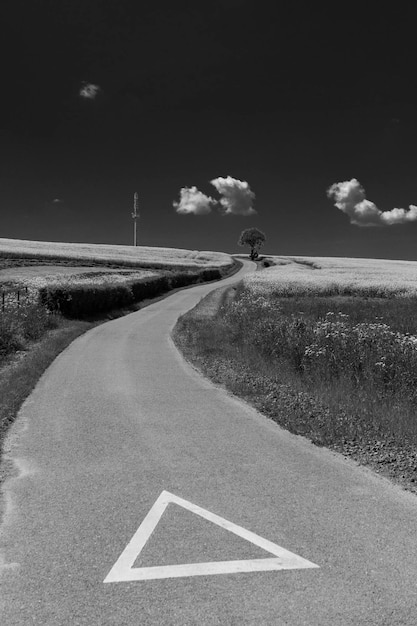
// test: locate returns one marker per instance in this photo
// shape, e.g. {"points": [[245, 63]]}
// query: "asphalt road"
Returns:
{"points": [[120, 431]]}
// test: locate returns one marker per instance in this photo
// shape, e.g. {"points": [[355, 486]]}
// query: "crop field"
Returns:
{"points": [[26, 273], [326, 276], [129, 256], [34, 278]]}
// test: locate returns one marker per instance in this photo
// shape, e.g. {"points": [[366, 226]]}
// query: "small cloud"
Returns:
{"points": [[54, 207], [193, 201], [400, 216], [350, 198], [89, 91], [237, 196]]}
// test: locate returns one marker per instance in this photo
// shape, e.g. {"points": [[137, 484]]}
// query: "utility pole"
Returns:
{"points": [[135, 215]]}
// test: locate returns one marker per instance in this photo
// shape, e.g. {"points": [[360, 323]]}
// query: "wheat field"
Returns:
{"points": [[328, 276], [140, 256]]}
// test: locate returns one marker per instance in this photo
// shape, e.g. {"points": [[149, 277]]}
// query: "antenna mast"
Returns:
{"points": [[135, 215]]}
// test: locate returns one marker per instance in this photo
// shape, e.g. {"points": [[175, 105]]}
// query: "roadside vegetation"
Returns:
{"points": [[327, 353], [23, 365]]}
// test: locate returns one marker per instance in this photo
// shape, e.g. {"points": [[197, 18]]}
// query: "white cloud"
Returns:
{"points": [[400, 216], [89, 91], [237, 196], [193, 201], [350, 198]]}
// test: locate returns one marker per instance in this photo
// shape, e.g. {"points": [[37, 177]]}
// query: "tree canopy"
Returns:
{"points": [[254, 238]]}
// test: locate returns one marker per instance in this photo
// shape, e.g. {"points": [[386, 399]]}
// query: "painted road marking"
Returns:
{"points": [[123, 570]]}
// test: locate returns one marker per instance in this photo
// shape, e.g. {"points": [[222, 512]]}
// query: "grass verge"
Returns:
{"points": [[21, 371], [235, 345]]}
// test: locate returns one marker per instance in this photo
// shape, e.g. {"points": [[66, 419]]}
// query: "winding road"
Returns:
{"points": [[146, 495]]}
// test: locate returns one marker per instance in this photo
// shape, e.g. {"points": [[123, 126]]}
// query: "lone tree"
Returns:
{"points": [[254, 238]]}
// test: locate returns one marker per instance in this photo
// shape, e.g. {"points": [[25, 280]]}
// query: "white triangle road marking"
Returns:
{"points": [[123, 570]]}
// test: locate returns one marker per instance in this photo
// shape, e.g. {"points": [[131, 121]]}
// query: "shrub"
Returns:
{"points": [[35, 320], [11, 338], [149, 288], [23, 322], [182, 279], [210, 273], [78, 301]]}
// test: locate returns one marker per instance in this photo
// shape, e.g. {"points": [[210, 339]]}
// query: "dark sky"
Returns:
{"points": [[287, 96]]}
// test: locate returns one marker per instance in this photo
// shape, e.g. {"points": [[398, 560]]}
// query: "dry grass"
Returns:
{"points": [[34, 281], [26, 273], [325, 276]]}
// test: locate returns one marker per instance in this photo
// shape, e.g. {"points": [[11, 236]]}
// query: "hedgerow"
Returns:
{"points": [[80, 300]]}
